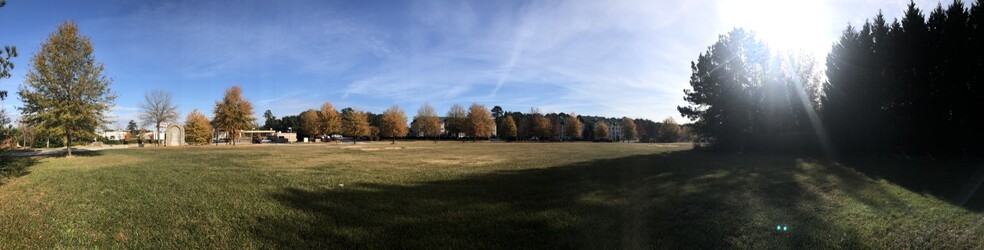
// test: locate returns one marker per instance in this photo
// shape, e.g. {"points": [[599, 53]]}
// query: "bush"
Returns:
{"points": [[11, 167]]}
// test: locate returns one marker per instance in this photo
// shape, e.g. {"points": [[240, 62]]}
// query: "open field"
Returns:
{"points": [[483, 195]]}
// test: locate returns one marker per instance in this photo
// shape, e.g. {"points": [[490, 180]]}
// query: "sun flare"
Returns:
{"points": [[783, 25]]}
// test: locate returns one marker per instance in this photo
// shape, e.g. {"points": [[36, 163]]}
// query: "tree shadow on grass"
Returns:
{"points": [[670, 200], [12, 167], [957, 181], [16, 166], [80, 153]]}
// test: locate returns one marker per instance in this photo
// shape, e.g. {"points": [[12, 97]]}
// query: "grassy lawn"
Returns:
{"points": [[484, 195]]}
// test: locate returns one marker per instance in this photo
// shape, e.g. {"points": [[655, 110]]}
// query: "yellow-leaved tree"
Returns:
{"points": [[197, 129], [233, 113], [393, 124], [330, 122], [669, 131], [573, 127], [310, 124], [479, 122], [628, 129], [540, 125], [355, 124], [507, 129], [601, 131]]}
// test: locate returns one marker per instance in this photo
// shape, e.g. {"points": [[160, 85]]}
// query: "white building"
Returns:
{"points": [[150, 135], [614, 126], [113, 135]]}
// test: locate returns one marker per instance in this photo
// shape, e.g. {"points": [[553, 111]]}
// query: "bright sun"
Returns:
{"points": [[784, 25]]}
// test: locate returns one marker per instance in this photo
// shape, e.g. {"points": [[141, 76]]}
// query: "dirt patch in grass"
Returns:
{"points": [[479, 161], [384, 148], [378, 147], [120, 237]]}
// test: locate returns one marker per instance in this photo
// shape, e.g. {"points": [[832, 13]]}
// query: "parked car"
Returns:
{"points": [[279, 139]]}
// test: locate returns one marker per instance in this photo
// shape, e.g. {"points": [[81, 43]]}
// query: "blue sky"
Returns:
{"points": [[610, 58]]}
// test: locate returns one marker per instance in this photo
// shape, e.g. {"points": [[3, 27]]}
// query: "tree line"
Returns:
{"points": [[67, 97], [910, 86], [535, 125], [477, 122]]}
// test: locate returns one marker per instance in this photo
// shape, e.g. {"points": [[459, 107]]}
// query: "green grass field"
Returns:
{"points": [[483, 195]]}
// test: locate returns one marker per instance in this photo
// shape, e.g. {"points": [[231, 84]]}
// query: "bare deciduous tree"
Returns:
{"points": [[427, 121], [157, 109], [455, 122]]}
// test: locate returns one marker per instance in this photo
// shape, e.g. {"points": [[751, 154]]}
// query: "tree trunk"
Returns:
{"points": [[68, 144], [394, 140], [157, 135]]}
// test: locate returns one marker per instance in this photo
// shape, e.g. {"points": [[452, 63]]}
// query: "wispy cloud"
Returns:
{"points": [[610, 58], [584, 56]]}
